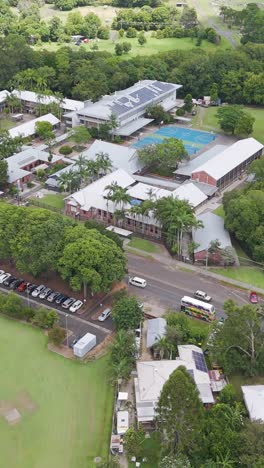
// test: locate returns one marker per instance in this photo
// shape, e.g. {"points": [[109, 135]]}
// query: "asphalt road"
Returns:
{"points": [[167, 285]]}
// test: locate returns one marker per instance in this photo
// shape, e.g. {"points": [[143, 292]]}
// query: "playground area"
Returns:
{"points": [[193, 140]]}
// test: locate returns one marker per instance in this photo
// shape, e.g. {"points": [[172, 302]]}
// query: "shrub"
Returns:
{"points": [[65, 150], [131, 32], [180, 112], [57, 335], [30, 184]]}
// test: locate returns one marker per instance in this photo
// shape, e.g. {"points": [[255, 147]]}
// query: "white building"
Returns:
{"points": [[128, 106], [254, 400], [27, 129], [31, 100], [152, 375]]}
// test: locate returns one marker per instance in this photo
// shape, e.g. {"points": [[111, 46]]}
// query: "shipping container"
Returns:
{"points": [[84, 345]]}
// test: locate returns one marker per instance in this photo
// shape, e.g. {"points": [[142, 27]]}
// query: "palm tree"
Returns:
{"points": [[64, 181], [81, 165], [13, 103], [135, 210], [119, 216], [113, 123], [104, 162], [162, 347], [120, 196], [121, 369]]}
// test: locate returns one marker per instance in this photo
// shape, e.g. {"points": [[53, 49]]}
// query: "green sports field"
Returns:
{"points": [[65, 406]]}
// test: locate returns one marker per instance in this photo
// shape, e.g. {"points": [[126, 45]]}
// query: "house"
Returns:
{"points": [[213, 228], [27, 129], [226, 166], [31, 101], [22, 165], [156, 330], [152, 375], [128, 106], [254, 400]]}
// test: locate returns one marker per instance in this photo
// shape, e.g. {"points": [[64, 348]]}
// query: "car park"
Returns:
{"points": [[61, 298], [45, 293], [36, 292], [68, 303], [104, 315], [14, 285], [30, 287], [203, 296], [76, 306], [22, 287], [9, 280], [53, 296], [4, 277]]}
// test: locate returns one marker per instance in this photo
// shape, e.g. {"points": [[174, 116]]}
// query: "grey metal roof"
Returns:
{"points": [[213, 229], [187, 167], [132, 127], [156, 330]]}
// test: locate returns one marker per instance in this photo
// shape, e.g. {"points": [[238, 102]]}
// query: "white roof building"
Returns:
{"points": [[122, 422], [254, 400], [152, 375], [28, 128], [3, 95], [156, 330], [191, 193], [186, 167], [213, 229], [35, 98]]}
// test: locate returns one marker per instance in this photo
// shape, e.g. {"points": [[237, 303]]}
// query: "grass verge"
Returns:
{"points": [[250, 275], [56, 200], [220, 211], [71, 422], [143, 244]]}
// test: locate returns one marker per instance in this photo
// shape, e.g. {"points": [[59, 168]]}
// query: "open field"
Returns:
{"points": [[65, 406], [205, 119], [55, 200]]}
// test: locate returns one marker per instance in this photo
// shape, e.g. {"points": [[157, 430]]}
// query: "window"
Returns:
{"points": [[99, 212]]}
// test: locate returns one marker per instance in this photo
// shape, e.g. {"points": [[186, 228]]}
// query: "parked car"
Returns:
{"points": [[45, 293], [9, 280], [104, 315], [54, 295], [61, 298], [76, 306], [76, 339], [253, 297], [4, 277], [66, 304], [22, 287], [36, 292], [30, 287], [202, 295], [1, 272], [14, 285]]}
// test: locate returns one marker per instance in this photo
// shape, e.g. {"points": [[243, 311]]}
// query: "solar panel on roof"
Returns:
{"points": [[199, 360]]}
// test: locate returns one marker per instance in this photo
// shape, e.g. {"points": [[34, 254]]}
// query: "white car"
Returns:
{"points": [[1, 272], [45, 293], [38, 290], [4, 277], [104, 315], [203, 296], [76, 306]]}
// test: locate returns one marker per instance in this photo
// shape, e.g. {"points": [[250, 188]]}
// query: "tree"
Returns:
{"points": [[188, 104], [127, 314], [119, 49], [251, 445], [228, 395], [214, 92], [239, 343], [81, 135], [3, 174], [179, 461], [44, 130], [13, 306], [163, 156], [157, 112], [257, 168], [90, 258], [133, 441], [180, 413], [122, 355], [234, 120], [188, 18], [142, 38], [44, 318], [57, 335], [8, 145]]}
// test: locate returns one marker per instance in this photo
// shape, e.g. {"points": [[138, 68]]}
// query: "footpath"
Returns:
{"points": [[165, 258]]}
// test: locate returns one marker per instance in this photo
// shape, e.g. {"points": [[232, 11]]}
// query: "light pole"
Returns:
{"points": [[66, 316]]}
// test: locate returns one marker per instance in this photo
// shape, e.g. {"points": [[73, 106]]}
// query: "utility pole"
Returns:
{"points": [[66, 316]]}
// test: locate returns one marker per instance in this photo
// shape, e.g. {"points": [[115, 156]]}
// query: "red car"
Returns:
{"points": [[22, 286], [253, 297]]}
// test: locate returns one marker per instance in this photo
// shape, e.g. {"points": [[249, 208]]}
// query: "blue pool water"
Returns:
{"points": [[193, 140]]}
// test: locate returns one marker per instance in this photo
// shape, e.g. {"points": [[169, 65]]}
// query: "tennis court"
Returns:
{"points": [[193, 140]]}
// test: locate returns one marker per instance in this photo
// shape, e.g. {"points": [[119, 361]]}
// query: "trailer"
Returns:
{"points": [[84, 345]]}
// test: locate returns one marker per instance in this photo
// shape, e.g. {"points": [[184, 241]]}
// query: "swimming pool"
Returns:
{"points": [[193, 140]]}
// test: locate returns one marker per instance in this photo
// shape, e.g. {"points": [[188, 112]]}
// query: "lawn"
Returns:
{"points": [[143, 244], [250, 275], [239, 380], [220, 211], [55, 200], [205, 119], [6, 123], [71, 422]]}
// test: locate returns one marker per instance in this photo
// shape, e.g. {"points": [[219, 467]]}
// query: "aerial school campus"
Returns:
{"points": [[131, 240]]}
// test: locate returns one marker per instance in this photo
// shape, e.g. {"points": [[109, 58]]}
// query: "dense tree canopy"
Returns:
{"points": [[163, 156], [127, 314], [234, 120]]}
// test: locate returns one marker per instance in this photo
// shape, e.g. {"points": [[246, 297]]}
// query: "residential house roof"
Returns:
{"points": [[213, 229], [254, 400], [18, 161], [224, 162], [156, 330], [28, 128]]}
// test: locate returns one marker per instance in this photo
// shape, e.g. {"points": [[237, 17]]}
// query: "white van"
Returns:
{"points": [[140, 282]]}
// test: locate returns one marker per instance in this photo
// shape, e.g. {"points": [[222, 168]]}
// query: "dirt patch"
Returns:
{"points": [[61, 350], [11, 410], [5, 407], [24, 402]]}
